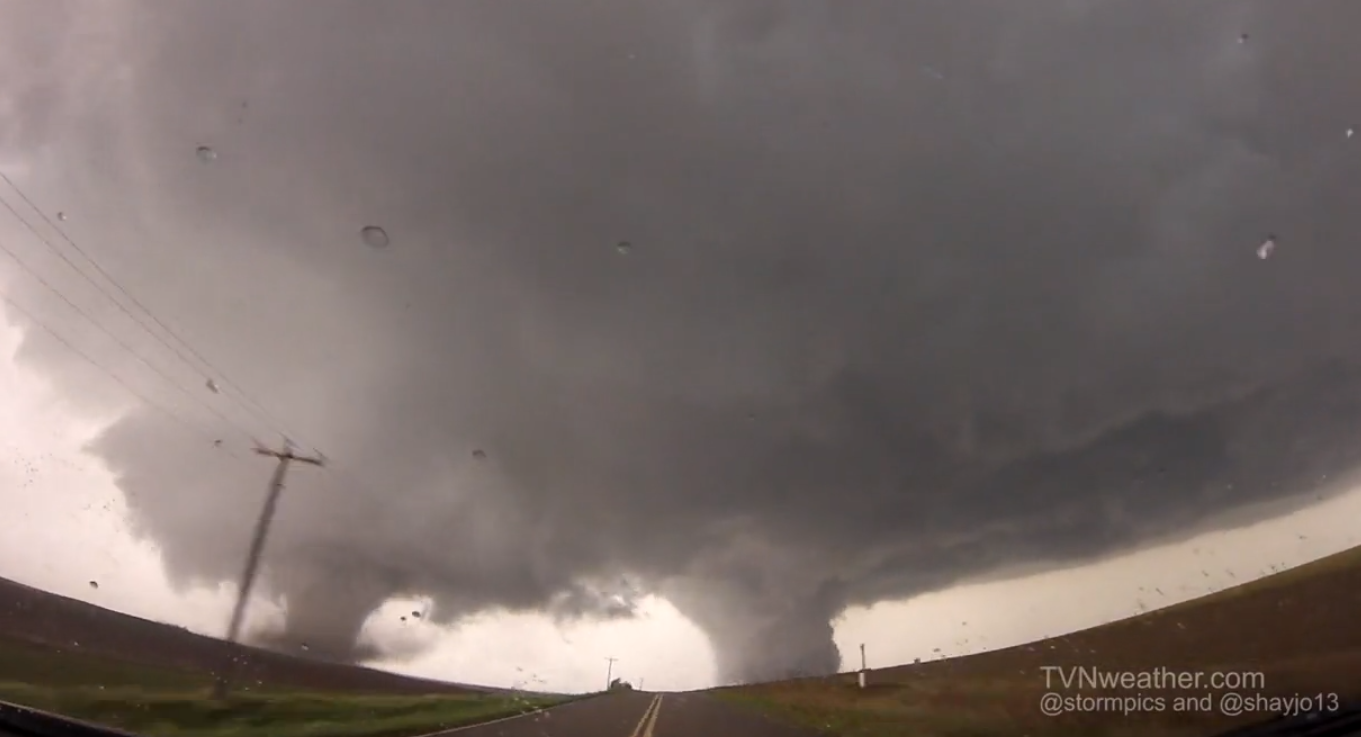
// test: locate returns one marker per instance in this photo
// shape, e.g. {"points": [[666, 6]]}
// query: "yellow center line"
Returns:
{"points": [[652, 723], [644, 728]]}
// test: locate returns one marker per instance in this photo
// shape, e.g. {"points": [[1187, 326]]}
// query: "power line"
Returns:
{"points": [[29, 225], [116, 339], [245, 400], [107, 371]]}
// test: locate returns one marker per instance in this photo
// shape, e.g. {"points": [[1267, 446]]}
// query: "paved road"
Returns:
{"points": [[636, 714]]}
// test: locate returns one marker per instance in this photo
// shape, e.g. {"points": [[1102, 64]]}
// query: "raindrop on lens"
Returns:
{"points": [[206, 154], [374, 236], [1268, 245]]}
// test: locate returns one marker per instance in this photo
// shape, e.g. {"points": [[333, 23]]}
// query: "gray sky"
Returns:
{"points": [[910, 295], [66, 524]]}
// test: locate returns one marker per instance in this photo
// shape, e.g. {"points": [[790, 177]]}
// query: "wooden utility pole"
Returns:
{"points": [[609, 673], [863, 669], [257, 546]]}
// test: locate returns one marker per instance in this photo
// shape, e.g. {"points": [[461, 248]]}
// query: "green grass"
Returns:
{"points": [[30, 663], [279, 714], [150, 700]]}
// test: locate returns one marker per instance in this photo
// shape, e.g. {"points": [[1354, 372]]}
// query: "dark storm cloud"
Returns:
{"points": [[914, 291]]}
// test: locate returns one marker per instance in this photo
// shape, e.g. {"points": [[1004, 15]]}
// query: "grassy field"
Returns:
{"points": [[155, 693], [163, 701], [60, 624], [180, 712], [1297, 628]]}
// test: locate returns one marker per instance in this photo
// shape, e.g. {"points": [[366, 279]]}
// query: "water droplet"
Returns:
{"points": [[1243, 38], [206, 154], [403, 619], [1268, 245], [479, 454], [212, 386], [417, 615], [304, 646], [62, 216], [94, 584], [374, 236], [624, 248], [1351, 131]]}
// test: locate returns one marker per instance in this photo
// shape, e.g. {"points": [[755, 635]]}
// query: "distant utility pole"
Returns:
{"points": [[609, 673], [257, 546], [863, 668]]}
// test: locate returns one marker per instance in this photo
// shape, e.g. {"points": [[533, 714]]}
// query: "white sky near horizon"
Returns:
{"points": [[65, 525]]}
